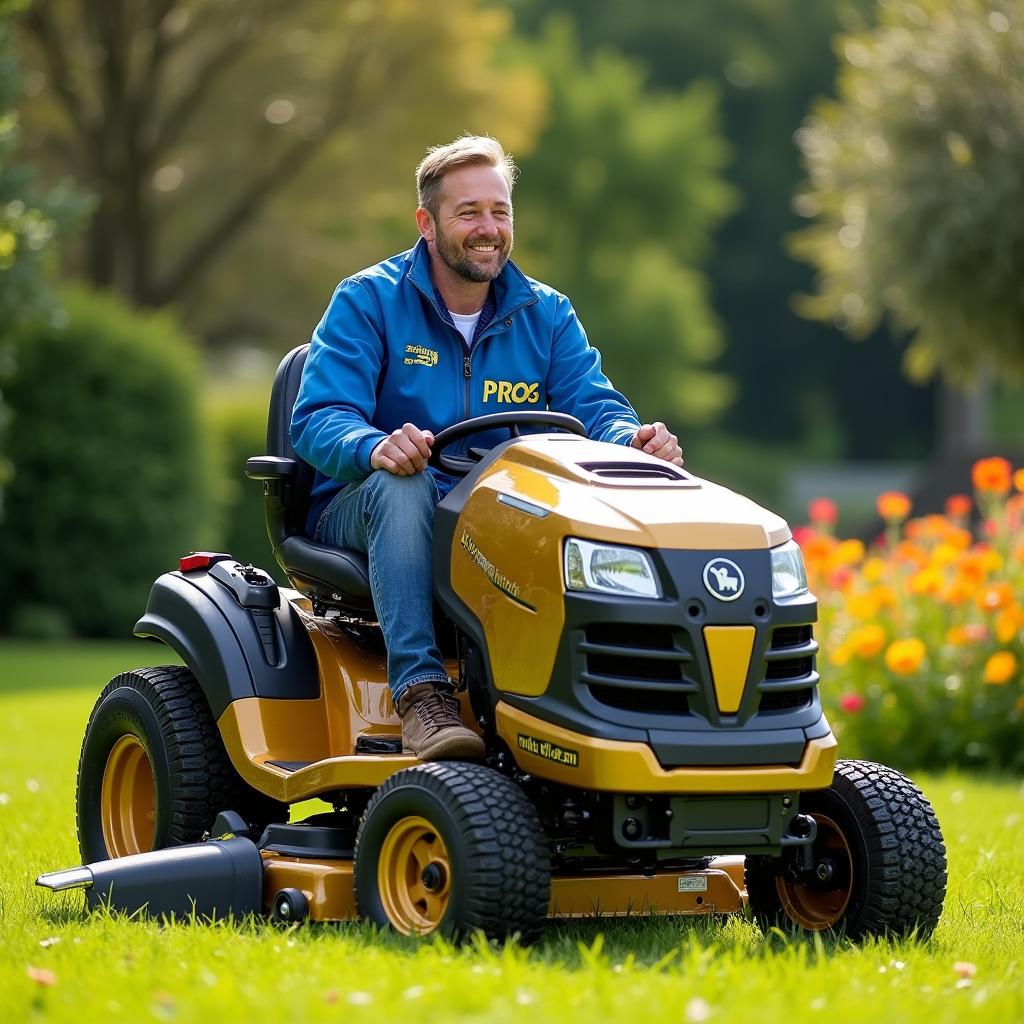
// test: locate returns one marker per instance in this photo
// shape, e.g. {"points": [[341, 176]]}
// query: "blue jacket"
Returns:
{"points": [[387, 353]]}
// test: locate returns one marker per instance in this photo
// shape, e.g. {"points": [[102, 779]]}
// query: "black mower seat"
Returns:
{"points": [[333, 577]]}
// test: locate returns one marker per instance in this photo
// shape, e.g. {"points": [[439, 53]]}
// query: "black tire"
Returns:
{"points": [[896, 881], [290, 907], [499, 875], [191, 779]]}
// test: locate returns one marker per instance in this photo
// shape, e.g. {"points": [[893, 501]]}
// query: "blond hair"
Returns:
{"points": [[467, 151]]}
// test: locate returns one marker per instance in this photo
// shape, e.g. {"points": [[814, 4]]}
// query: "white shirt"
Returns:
{"points": [[466, 323]]}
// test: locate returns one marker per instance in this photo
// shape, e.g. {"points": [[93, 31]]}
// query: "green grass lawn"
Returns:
{"points": [[632, 971]]}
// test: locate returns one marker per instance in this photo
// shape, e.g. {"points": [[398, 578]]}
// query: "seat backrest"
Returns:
{"points": [[287, 514]]}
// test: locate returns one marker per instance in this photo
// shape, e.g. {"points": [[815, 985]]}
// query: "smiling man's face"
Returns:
{"points": [[472, 230]]}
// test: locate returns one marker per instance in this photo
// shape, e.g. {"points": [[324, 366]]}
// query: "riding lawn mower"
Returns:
{"points": [[634, 644]]}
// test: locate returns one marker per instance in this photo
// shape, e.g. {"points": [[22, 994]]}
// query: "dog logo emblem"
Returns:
{"points": [[724, 579]]}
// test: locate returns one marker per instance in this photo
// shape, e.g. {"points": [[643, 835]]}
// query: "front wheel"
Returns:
{"points": [[879, 861], [452, 848]]}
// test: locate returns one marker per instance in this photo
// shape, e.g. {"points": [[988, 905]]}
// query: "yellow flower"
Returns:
{"points": [[849, 552], [944, 554], [928, 581], [840, 655], [868, 640], [1000, 668], [862, 606], [904, 657], [874, 569], [991, 561], [884, 595]]}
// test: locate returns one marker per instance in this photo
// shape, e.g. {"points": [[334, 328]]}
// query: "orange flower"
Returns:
{"points": [[996, 596], [817, 547], [823, 511], [959, 538], [893, 506], [1018, 480], [959, 591], [1009, 623], [958, 506], [904, 657], [991, 476], [885, 596], [972, 632], [906, 551], [1000, 668], [868, 640]]}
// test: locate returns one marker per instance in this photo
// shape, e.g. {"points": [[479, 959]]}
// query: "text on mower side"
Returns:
{"points": [[549, 751]]}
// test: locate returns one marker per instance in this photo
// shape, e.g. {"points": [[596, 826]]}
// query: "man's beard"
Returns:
{"points": [[459, 261]]}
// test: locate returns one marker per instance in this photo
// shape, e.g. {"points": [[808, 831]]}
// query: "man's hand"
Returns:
{"points": [[405, 452], [657, 440]]}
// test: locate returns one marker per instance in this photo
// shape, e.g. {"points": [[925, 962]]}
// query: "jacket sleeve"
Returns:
{"points": [[576, 384], [331, 422]]}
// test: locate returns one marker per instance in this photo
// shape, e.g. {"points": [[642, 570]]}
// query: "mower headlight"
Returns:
{"points": [[789, 577], [626, 572]]}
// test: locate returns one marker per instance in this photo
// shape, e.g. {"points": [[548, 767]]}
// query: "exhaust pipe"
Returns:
{"points": [[218, 878]]}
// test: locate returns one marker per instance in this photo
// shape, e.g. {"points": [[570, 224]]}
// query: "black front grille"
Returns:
{"points": [[650, 702], [785, 700], [788, 668], [637, 667], [789, 677], [790, 636]]}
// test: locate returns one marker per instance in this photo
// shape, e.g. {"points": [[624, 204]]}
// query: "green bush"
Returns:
{"points": [[239, 425], [111, 475]]}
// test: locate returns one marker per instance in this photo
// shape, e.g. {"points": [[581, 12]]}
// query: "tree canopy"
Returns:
{"points": [[209, 128], [915, 186], [616, 207]]}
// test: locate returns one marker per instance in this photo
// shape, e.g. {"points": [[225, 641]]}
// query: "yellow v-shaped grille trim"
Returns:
{"points": [[729, 649]]}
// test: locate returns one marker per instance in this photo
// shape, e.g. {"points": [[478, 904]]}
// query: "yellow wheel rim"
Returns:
{"points": [[817, 908], [128, 799], [414, 876]]}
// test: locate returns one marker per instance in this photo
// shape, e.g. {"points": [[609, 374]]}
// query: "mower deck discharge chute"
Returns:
{"points": [[635, 646]]}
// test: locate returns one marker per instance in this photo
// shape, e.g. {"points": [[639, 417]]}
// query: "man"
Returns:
{"points": [[446, 331]]}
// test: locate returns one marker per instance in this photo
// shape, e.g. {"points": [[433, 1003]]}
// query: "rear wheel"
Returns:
{"points": [[153, 771], [879, 861], [452, 848]]}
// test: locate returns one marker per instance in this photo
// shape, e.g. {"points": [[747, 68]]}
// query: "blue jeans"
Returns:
{"points": [[391, 519]]}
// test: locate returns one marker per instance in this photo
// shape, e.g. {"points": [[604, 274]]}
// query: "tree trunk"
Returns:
{"points": [[964, 416]]}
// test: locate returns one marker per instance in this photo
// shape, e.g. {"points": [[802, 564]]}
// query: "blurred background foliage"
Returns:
{"points": [[689, 171]]}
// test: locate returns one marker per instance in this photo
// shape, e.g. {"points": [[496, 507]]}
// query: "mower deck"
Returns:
{"points": [[717, 889]]}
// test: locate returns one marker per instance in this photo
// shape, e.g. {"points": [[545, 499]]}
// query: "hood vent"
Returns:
{"points": [[639, 471]]}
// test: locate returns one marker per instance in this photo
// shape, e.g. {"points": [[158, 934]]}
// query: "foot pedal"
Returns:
{"points": [[378, 744]]}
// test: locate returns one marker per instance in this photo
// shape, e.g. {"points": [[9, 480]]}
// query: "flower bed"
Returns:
{"points": [[921, 635]]}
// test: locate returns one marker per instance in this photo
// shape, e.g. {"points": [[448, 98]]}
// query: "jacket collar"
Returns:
{"points": [[511, 288]]}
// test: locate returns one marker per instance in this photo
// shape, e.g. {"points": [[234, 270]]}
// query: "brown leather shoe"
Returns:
{"points": [[432, 727]]}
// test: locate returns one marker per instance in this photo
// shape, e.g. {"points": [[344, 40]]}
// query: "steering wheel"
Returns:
{"points": [[460, 465]]}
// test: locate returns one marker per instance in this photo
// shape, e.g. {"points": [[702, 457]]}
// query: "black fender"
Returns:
{"points": [[234, 630]]}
